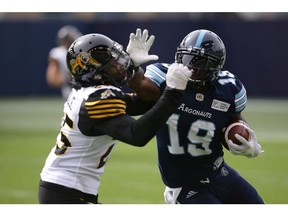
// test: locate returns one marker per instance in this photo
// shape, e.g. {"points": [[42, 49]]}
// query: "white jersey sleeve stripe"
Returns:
{"points": [[155, 74]]}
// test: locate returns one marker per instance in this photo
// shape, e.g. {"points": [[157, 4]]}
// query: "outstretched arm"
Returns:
{"points": [[144, 87], [139, 132], [138, 48]]}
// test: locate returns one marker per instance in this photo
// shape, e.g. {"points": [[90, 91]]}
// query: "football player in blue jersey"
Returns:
{"points": [[96, 115], [190, 152]]}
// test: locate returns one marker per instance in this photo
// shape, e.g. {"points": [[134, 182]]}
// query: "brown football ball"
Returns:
{"points": [[236, 127]]}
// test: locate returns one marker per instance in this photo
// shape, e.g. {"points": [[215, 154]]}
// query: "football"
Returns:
{"points": [[235, 127]]}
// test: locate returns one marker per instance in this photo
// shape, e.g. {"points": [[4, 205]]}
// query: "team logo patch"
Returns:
{"points": [[190, 194], [107, 94], [199, 97], [220, 105], [205, 181], [82, 61], [224, 171]]}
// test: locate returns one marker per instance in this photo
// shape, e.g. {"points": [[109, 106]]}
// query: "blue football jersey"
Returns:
{"points": [[189, 144]]}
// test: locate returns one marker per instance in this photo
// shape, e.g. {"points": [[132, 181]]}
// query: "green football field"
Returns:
{"points": [[29, 126]]}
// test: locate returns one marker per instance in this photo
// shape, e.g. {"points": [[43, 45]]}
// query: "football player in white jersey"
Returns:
{"points": [[98, 113], [57, 73], [190, 152]]}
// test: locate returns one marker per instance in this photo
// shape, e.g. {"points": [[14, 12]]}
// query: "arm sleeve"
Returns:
{"points": [[157, 74], [240, 98], [139, 132], [136, 106]]}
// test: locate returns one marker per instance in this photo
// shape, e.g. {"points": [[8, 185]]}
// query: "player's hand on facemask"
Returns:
{"points": [[178, 76], [249, 148], [139, 46]]}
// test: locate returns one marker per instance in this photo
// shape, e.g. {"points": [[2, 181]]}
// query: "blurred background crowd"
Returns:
{"points": [[256, 44], [144, 16]]}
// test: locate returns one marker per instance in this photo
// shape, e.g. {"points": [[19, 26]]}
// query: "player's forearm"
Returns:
{"points": [[144, 87], [139, 132], [135, 82], [145, 128]]}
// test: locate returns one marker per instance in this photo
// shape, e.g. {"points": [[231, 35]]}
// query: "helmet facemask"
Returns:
{"points": [[204, 68], [204, 53], [118, 69]]}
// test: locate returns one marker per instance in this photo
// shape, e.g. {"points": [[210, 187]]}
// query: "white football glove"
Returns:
{"points": [[171, 195], [249, 148], [138, 47], [178, 76]]}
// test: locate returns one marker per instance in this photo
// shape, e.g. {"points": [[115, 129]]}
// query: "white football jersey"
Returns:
{"points": [[59, 55], [77, 160]]}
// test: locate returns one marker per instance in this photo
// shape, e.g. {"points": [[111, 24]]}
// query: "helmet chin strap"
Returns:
{"points": [[119, 84], [197, 84], [203, 85]]}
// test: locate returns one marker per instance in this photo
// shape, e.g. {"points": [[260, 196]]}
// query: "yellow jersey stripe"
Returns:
{"points": [[106, 111], [104, 106], [98, 102], [105, 115]]}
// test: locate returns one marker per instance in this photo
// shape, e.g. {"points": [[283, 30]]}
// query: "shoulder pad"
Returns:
{"points": [[105, 102]]}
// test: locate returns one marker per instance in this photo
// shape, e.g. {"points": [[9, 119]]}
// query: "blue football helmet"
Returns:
{"points": [[204, 53]]}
